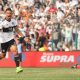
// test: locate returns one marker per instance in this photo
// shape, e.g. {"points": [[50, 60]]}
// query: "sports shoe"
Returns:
{"points": [[19, 69]]}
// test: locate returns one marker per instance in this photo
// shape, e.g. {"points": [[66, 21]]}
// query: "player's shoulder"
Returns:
{"points": [[13, 20], [2, 20]]}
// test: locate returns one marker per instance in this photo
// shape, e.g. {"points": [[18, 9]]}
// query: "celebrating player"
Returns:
{"points": [[8, 27]]}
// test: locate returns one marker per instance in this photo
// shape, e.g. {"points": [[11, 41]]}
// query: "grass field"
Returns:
{"points": [[40, 74]]}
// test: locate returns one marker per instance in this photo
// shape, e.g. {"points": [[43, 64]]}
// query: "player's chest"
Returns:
{"points": [[7, 24]]}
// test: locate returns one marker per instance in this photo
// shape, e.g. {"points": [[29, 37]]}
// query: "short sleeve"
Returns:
{"points": [[15, 23], [1, 24]]}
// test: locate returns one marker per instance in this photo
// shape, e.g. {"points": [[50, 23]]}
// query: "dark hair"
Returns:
{"points": [[8, 9]]}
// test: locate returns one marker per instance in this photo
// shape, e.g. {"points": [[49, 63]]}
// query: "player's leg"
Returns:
{"points": [[19, 48], [13, 49], [4, 48]]}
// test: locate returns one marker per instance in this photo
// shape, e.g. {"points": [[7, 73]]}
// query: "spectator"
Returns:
{"points": [[42, 27], [68, 33], [42, 40]]}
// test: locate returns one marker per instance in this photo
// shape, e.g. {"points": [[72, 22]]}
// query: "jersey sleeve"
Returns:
{"points": [[1, 24], [15, 23]]}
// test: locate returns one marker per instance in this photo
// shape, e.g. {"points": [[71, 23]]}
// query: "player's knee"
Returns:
{"points": [[13, 48]]}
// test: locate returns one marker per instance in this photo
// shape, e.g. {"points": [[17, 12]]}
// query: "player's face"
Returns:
{"points": [[8, 15]]}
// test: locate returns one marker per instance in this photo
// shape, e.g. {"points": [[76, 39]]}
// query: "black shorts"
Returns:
{"points": [[6, 46]]}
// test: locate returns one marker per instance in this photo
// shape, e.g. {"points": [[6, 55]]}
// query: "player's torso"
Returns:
{"points": [[7, 31]]}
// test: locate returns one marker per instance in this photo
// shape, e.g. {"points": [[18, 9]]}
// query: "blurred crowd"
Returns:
{"points": [[48, 26]]}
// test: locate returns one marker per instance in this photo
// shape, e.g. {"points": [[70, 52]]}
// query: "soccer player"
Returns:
{"points": [[8, 27]]}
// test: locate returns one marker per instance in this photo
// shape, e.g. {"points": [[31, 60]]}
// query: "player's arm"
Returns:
{"points": [[18, 31], [20, 34]]}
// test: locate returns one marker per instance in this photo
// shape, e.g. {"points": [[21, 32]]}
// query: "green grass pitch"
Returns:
{"points": [[40, 74]]}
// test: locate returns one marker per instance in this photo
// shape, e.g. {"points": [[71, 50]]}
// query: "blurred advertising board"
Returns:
{"points": [[43, 59]]}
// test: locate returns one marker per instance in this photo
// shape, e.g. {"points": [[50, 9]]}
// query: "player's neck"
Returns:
{"points": [[8, 19]]}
